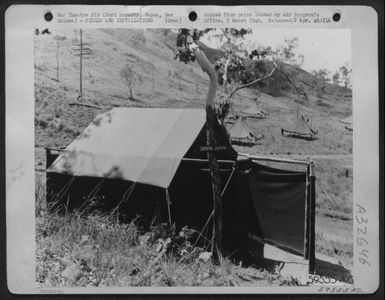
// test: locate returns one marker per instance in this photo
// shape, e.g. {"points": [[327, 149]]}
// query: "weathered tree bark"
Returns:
{"points": [[211, 155]]}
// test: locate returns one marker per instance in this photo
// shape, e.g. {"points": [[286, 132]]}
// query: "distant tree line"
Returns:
{"points": [[340, 77]]}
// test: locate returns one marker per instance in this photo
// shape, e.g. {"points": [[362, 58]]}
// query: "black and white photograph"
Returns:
{"points": [[193, 157], [192, 150]]}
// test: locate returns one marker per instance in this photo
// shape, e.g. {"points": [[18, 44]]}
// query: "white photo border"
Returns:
{"points": [[20, 22]]}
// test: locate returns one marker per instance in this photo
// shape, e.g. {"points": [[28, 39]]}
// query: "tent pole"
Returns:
{"points": [[307, 206], [312, 259], [205, 160], [168, 207]]}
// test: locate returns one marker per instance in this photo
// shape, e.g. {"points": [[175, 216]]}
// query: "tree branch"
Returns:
{"points": [[292, 83], [209, 69], [253, 82], [226, 36]]}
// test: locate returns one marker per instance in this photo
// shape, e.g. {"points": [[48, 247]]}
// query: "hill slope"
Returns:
{"points": [[161, 81]]}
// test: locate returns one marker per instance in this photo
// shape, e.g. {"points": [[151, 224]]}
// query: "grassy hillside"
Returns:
{"points": [[161, 81]]}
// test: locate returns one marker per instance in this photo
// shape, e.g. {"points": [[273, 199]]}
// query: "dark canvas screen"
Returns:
{"points": [[279, 198]]}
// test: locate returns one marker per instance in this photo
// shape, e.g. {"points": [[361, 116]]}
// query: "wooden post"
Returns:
{"points": [[307, 216], [312, 259], [168, 207], [81, 65]]}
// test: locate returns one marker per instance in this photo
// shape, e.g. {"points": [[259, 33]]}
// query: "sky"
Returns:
{"points": [[322, 48]]}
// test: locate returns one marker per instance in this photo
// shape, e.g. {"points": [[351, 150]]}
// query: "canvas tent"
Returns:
{"points": [[136, 147], [253, 111], [153, 162], [348, 123], [301, 129], [241, 134]]}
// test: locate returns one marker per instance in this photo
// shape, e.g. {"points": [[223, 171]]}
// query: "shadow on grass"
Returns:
{"points": [[323, 268], [335, 271], [256, 259]]}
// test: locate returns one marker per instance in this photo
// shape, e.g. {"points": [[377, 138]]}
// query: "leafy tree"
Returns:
{"points": [[281, 55], [233, 70], [129, 76], [286, 53], [336, 78], [228, 72], [299, 60], [323, 77], [322, 74], [345, 73]]}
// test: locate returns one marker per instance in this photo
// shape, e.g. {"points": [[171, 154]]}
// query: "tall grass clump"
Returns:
{"points": [[75, 249]]}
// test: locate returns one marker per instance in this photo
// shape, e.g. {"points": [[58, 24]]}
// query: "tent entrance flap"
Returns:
{"points": [[282, 204], [279, 201]]}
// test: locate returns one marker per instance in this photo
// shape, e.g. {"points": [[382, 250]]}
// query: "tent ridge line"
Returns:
{"points": [[205, 159]]}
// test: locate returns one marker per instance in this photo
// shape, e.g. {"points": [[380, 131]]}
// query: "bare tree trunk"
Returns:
{"points": [[211, 155]]}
